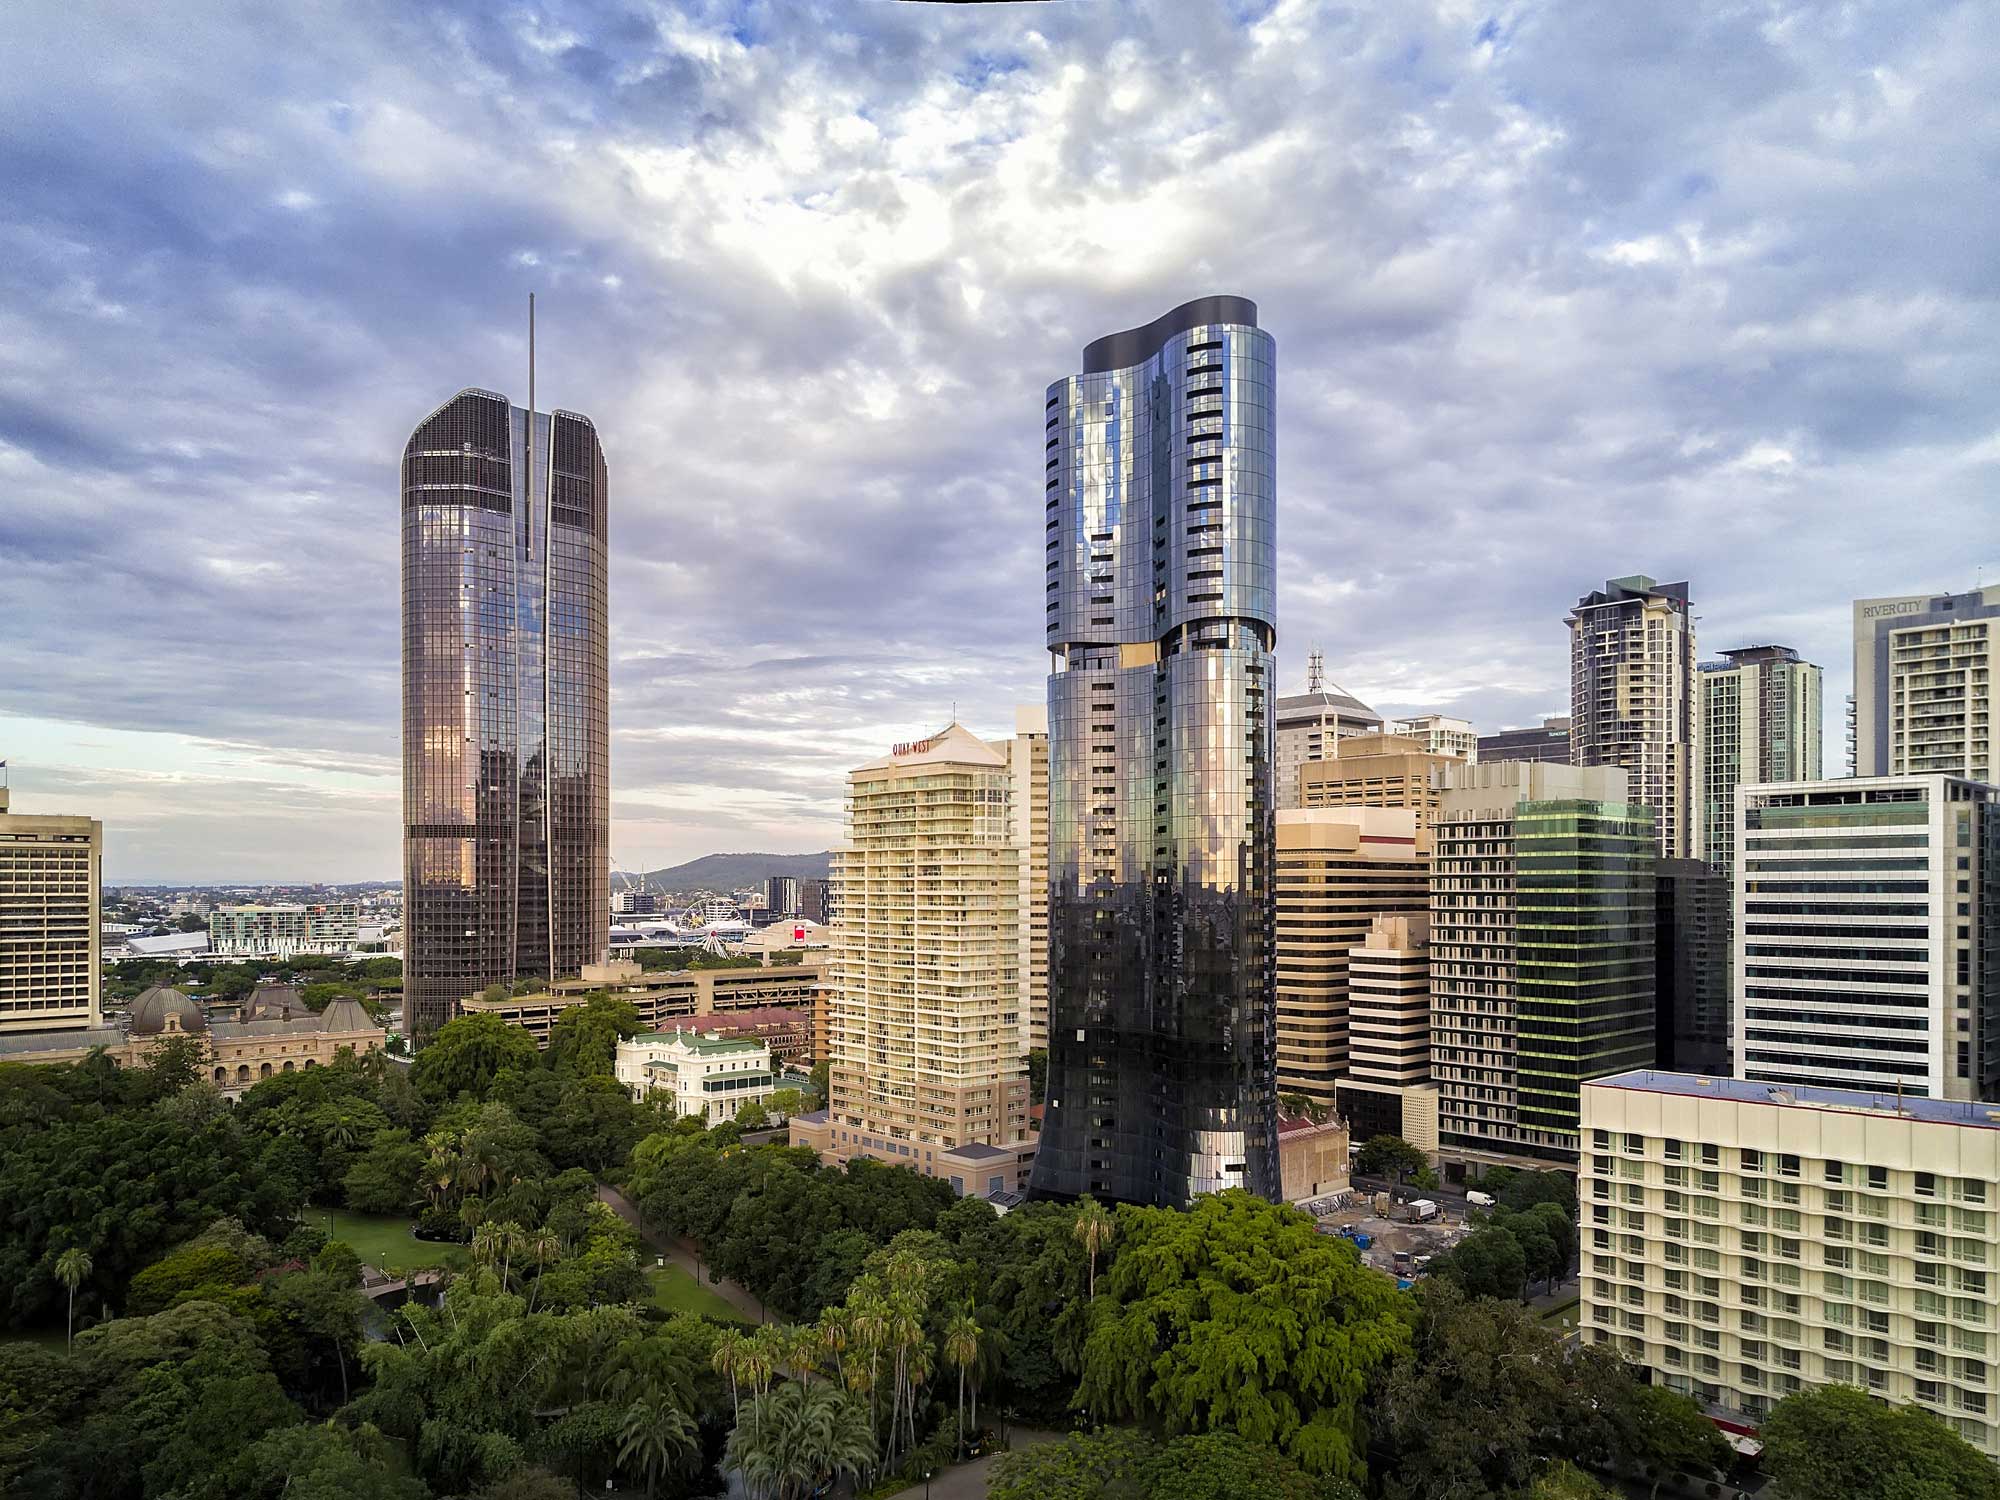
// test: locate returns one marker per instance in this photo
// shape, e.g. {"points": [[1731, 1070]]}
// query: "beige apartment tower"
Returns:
{"points": [[1379, 770], [51, 868], [1633, 701], [1925, 668], [1338, 870], [1028, 776], [1743, 1241], [924, 1008]]}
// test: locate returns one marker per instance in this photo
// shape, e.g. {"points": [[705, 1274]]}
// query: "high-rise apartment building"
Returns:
{"points": [[1440, 734], [924, 992], [51, 871], [1868, 935], [1743, 1241], [1338, 869], [1548, 742], [1162, 563], [1542, 956], [1028, 782], [1633, 704], [1311, 725], [813, 903], [1925, 668], [781, 895], [283, 929], [1379, 770], [1760, 721], [506, 734]]}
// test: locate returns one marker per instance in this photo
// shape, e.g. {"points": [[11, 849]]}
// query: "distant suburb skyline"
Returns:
{"points": [[1559, 295]]}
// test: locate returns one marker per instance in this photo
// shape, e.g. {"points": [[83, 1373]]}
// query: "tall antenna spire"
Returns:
{"points": [[1316, 671]]}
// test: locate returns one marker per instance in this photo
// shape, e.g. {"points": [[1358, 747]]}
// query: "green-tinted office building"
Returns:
{"points": [[1583, 951], [1542, 953]]}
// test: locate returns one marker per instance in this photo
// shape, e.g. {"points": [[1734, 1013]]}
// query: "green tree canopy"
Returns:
{"points": [[466, 1054], [1390, 1156], [1838, 1440], [1238, 1315]]}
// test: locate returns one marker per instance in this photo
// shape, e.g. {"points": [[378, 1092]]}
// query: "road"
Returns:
{"points": [[679, 1253], [969, 1481]]}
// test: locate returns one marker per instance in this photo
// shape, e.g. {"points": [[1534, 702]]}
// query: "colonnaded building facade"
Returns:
{"points": [[1160, 520], [506, 721]]}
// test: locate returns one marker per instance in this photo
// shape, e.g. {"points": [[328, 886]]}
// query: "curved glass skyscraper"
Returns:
{"points": [[506, 755], [1162, 570]]}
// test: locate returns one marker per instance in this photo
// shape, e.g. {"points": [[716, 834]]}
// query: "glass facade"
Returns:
{"points": [[1161, 561], [506, 754], [1583, 952]]}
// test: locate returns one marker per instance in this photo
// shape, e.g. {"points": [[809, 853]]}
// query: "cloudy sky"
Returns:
{"points": [[1561, 292]]}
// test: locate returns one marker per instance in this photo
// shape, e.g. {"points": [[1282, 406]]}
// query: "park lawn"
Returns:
{"points": [[677, 1291], [385, 1241]]}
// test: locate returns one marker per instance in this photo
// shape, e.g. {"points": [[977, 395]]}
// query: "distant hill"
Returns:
{"points": [[725, 872]]}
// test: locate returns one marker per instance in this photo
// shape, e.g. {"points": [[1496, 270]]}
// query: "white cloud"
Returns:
{"points": [[1558, 296]]}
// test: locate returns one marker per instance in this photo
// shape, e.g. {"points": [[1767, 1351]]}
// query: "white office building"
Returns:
{"points": [[1865, 916]]}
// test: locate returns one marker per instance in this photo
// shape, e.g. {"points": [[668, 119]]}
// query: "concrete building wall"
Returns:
{"points": [[1743, 1241], [1380, 770], [51, 871], [1337, 870]]}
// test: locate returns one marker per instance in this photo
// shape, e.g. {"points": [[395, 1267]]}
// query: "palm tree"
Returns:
{"points": [[727, 1361], [511, 1237], [657, 1435], [799, 1438], [1094, 1229], [961, 1348], [486, 1244], [834, 1337], [73, 1269], [542, 1247]]}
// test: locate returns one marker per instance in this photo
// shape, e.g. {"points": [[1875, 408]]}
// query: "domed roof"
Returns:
{"points": [[345, 1014], [151, 1010]]}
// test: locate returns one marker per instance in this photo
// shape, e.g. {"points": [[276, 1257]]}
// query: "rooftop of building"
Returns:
{"points": [[1335, 698], [1805, 1096], [1634, 586], [952, 745], [24, 1043], [978, 1151], [1745, 655], [701, 1043]]}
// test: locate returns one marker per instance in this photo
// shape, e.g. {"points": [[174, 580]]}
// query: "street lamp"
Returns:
{"points": [[927, 1484]]}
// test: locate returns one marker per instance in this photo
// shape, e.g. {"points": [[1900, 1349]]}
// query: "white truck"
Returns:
{"points": [[1422, 1209]]}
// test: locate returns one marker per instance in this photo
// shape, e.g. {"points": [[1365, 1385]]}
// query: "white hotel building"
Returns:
{"points": [[1743, 1241]]}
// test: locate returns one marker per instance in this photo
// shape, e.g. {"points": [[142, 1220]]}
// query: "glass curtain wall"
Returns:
{"points": [[1161, 553], [505, 716]]}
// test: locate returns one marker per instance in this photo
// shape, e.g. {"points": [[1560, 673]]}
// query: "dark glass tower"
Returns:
{"points": [[1162, 564], [506, 754]]}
